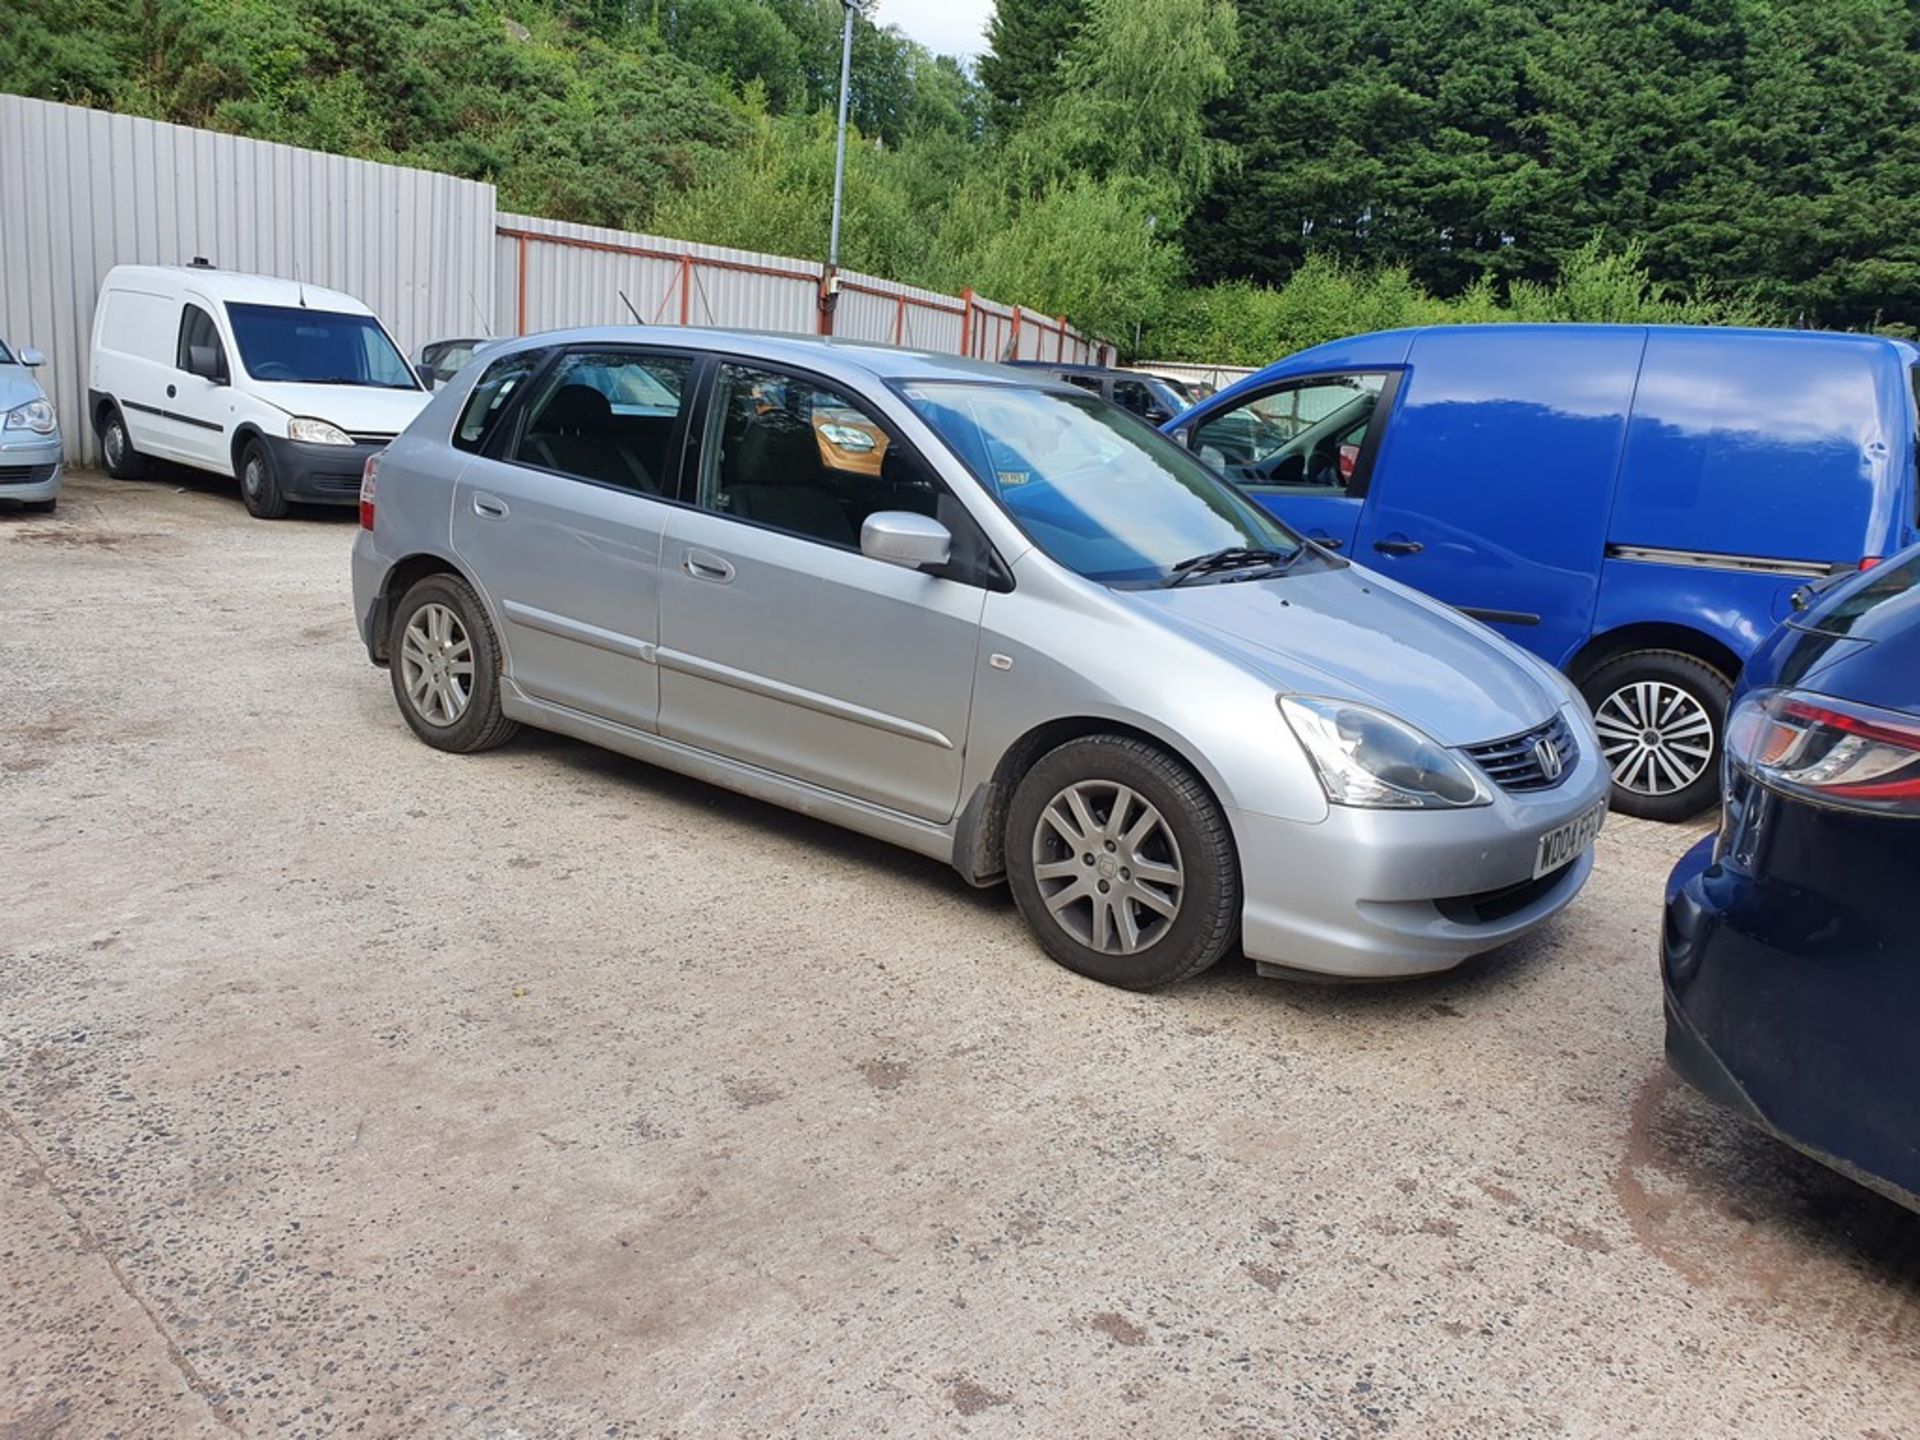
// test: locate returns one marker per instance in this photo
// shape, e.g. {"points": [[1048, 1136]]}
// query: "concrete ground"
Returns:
{"points": [[348, 1088]]}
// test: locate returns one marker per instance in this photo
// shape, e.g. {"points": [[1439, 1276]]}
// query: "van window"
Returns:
{"points": [[317, 347], [197, 328], [141, 324], [1305, 437], [499, 383]]}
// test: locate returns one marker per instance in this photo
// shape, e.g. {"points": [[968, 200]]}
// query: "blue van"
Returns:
{"points": [[1636, 504]]}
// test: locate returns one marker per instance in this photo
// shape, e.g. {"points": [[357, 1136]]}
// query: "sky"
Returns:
{"points": [[946, 27]]}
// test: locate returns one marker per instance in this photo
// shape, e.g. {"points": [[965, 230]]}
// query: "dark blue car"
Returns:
{"points": [[1635, 504], [1790, 951]]}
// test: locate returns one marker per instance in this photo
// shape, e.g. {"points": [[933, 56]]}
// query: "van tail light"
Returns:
{"points": [[1832, 752], [368, 476]]}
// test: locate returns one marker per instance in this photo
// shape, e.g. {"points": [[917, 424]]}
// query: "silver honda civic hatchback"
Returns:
{"points": [[984, 616]]}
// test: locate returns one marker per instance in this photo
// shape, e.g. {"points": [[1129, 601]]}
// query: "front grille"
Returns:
{"points": [[1516, 763], [1489, 907], [26, 474]]}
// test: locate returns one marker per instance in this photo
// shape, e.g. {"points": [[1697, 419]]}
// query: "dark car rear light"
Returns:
{"points": [[369, 474], [1833, 752]]}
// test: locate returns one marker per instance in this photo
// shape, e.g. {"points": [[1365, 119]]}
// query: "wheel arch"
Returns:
{"points": [[401, 577], [244, 434], [979, 848], [1654, 635]]}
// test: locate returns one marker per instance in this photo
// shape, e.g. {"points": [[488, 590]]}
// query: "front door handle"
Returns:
{"points": [[702, 566], [1398, 545], [489, 507]]}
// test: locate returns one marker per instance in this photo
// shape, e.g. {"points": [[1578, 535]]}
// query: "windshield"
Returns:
{"points": [[317, 347], [1097, 491]]}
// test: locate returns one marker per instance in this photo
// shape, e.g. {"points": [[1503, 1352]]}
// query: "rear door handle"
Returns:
{"points": [[702, 566], [1398, 546], [489, 507]]}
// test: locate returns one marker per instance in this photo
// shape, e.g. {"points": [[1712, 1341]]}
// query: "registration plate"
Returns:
{"points": [[1562, 844]]}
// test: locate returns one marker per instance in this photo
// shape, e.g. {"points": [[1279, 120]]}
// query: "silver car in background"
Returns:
{"points": [[984, 616], [30, 449]]}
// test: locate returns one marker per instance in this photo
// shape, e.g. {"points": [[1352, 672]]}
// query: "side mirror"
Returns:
{"points": [[429, 376], [1184, 437], [1157, 416], [900, 537], [204, 361], [31, 358]]}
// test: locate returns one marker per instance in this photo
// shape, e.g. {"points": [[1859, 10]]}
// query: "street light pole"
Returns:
{"points": [[840, 145]]}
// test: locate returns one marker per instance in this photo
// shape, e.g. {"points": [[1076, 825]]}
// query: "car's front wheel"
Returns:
{"points": [[260, 483], [444, 660], [1121, 862], [123, 462]]}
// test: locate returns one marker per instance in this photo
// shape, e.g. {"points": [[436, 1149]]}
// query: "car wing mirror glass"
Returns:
{"points": [[902, 537]]}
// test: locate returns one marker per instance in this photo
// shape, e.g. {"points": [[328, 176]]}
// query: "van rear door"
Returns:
{"points": [[1495, 475]]}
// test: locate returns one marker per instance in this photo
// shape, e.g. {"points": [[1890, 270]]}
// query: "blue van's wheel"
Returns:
{"points": [[1660, 714]]}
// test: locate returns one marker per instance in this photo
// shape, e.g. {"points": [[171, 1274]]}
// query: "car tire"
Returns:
{"points": [[441, 616], [1097, 903], [260, 483], [1662, 718], [122, 461]]}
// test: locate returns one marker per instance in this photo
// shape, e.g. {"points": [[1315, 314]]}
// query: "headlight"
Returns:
{"points": [[847, 438], [1374, 761], [317, 432], [35, 415]]}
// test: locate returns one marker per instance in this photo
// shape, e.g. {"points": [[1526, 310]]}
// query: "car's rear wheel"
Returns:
{"points": [[123, 462], [260, 483], [444, 660], [1660, 715], [1122, 863]]}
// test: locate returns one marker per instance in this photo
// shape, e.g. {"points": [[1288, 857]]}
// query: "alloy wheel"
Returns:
{"points": [[1657, 738], [1108, 867], [436, 664]]}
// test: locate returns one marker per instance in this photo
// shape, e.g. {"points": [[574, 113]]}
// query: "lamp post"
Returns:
{"points": [[840, 143]]}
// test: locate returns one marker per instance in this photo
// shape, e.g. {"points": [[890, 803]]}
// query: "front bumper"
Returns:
{"points": [[320, 474], [1379, 894], [30, 469]]}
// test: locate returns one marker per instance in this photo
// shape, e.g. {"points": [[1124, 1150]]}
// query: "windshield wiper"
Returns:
{"points": [[1232, 557]]}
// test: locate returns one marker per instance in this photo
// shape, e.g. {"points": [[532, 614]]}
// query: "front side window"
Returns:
{"points": [[197, 331], [795, 455], [1098, 492], [499, 383], [292, 344], [1304, 438], [609, 416]]}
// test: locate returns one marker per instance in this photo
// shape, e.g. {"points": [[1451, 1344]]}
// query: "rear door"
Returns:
{"points": [[561, 514], [1304, 448], [1496, 476]]}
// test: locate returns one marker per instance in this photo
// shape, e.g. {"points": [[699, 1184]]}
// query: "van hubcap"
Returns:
{"points": [[436, 663], [1108, 867], [116, 443], [1657, 738]]}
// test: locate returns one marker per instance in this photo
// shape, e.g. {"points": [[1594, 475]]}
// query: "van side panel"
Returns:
{"points": [[140, 324], [1498, 464], [1766, 447]]}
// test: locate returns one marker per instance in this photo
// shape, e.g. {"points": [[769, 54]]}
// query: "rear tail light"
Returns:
{"points": [[368, 476], [1833, 752]]}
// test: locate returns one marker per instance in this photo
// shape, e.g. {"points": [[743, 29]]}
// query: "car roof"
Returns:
{"points": [[882, 362], [237, 287]]}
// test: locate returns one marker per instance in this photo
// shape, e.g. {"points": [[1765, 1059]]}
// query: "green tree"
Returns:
{"points": [[1027, 40]]}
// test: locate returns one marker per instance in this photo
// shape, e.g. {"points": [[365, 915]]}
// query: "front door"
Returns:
{"points": [[783, 646], [561, 518], [1304, 448], [200, 408]]}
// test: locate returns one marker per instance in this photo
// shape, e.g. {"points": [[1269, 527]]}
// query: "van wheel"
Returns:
{"points": [[259, 485], [123, 462], [1661, 716], [444, 660], [1122, 864]]}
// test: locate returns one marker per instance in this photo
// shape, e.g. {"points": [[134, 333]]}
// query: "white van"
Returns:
{"points": [[285, 386]]}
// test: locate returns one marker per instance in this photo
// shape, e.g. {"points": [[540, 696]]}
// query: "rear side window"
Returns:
{"points": [[491, 398], [609, 417]]}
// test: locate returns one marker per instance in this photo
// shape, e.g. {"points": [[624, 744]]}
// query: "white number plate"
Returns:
{"points": [[1559, 846]]}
